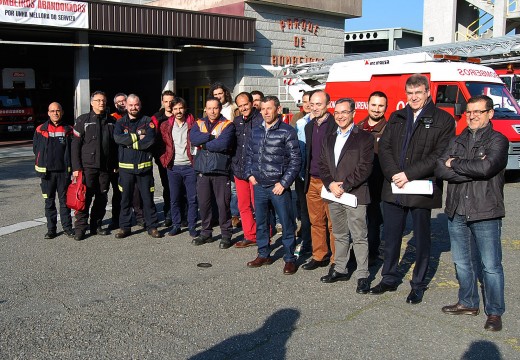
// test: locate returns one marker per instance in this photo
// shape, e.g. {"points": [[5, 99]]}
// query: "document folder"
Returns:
{"points": [[419, 187], [345, 199]]}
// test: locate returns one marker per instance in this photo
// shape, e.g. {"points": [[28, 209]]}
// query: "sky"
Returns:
{"points": [[381, 14]]}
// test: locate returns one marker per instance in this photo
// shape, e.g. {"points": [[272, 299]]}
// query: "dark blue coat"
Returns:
{"points": [[273, 155], [243, 133]]}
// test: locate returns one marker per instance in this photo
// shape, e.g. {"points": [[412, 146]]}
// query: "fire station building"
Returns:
{"points": [[145, 47]]}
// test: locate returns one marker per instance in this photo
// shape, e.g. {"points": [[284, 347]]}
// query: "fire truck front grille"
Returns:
{"points": [[514, 148]]}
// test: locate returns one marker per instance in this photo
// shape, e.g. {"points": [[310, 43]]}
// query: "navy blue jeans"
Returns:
{"points": [[179, 177], [283, 207], [477, 254]]}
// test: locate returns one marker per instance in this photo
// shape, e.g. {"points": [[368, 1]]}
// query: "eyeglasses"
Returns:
{"points": [[100, 100], [476, 112], [415, 93], [344, 112]]}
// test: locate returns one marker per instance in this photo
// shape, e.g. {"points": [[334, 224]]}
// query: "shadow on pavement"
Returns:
{"points": [[482, 350], [268, 342]]}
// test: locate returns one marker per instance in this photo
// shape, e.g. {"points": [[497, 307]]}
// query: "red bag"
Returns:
{"points": [[76, 193]]}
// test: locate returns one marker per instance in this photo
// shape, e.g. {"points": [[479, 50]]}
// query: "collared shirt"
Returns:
{"points": [[180, 142], [341, 139]]}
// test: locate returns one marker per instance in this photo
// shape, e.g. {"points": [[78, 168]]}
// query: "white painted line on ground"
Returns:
{"points": [[9, 229]]}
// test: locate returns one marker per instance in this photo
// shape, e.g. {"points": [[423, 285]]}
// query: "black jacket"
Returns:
{"points": [[273, 155], [476, 176], [431, 133], [243, 134], [135, 154], [45, 133], [93, 138]]}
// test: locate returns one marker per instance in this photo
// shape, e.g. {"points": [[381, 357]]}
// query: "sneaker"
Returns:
{"points": [[69, 232], [202, 239], [174, 231], [50, 235]]}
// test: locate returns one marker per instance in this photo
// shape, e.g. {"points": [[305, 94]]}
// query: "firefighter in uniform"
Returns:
{"points": [[215, 135], [51, 146], [95, 153], [135, 135]]}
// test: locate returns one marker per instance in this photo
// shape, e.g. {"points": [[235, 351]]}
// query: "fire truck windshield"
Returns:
{"points": [[9, 102], [505, 105]]}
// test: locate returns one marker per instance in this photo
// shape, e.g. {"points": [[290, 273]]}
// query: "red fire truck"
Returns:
{"points": [[452, 83], [16, 108]]}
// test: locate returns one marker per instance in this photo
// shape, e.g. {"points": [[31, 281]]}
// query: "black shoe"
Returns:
{"points": [[78, 236], [314, 264], [168, 222], [101, 231], [50, 235], [363, 286], [201, 240], [415, 296], [225, 243], [174, 231], [184, 223], [121, 234], [381, 288], [193, 232], [141, 224], [69, 233], [334, 276]]}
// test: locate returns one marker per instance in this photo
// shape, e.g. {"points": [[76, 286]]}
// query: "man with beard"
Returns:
{"points": [[414, 139], [135, 135], [375, 124]]}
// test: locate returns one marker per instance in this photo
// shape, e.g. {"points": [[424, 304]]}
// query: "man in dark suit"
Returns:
{"points": [[345, 166]]}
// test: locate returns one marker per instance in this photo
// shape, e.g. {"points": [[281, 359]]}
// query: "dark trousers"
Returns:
{"points": [[137, 205], [305, 227], [374, 221], [98, 183], [116, 199], [220, 186], [183, 177], [52, 183], [145, 183], [163, 174], [395, 221]]}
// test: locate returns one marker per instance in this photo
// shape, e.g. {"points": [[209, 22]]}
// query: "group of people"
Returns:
{"points": [[348, 179]]}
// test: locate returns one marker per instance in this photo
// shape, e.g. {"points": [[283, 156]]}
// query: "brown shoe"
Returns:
{"points": [[459, 309], [235, 222], [153, 232], [493, 323], [259, 261], [245, 243], [121, 234], [289, 268]]}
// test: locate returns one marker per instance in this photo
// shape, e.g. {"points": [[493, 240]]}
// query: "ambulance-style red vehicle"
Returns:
{"points": [[452, 83], [16, 108]]}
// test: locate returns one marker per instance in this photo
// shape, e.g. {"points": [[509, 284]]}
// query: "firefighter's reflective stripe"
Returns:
{"points": [[152, 189], [44, 196], [76, 133], [120, 188], [40, 169], [132, 166], [217, 130], [56, 134], [135, 146]]}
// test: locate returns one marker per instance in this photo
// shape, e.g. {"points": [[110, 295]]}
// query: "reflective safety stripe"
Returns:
{"points": [[69, 169], [40, 169], [135, 146], [134, 137], [132, 166], [152, 189], [120, 188], [144, 165], [56, 134], [45, 196], [217, 130], [126, 165]]}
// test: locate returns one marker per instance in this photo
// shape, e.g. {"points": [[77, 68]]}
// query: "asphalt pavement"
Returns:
{"points": [[145, 298]]}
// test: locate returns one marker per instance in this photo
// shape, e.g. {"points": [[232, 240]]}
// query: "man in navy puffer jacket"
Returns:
{"points": [[273, 161]]}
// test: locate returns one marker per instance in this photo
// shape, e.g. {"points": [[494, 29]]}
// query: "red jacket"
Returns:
{"points": [[166, 148]]}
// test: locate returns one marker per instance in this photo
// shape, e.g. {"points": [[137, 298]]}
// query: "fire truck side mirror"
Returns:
{"points": [[457, 109]]}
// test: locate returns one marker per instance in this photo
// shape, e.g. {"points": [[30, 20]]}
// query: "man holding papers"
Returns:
{"points": [[345, 166], [414, 139]]}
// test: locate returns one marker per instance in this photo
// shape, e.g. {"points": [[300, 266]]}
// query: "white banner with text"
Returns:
{"points": [[70, 14]]}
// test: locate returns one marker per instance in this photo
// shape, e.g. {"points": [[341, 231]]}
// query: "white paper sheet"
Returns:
{"points": [[420, 187], [345, 199]]}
